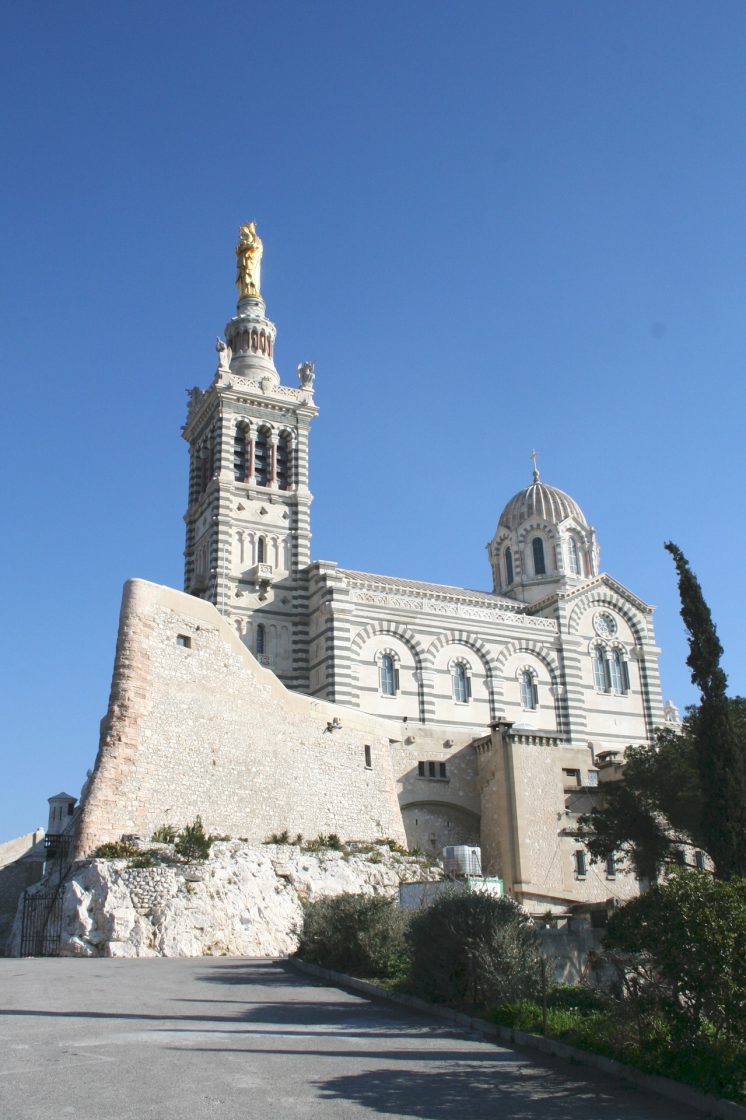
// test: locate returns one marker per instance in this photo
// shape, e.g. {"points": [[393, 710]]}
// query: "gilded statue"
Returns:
{"points": [[248, 261]]}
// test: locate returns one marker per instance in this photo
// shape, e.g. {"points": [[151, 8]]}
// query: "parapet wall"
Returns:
{"points": [[196, 726]]}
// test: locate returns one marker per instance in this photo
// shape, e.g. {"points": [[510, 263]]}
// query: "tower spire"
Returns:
{"points": [[536, 469], [250, 334]]}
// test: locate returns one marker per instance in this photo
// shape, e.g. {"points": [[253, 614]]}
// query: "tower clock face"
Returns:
{"points": [[605, 624]]}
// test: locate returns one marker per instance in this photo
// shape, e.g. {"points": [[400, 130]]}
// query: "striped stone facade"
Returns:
{"points": [[549, 674]]}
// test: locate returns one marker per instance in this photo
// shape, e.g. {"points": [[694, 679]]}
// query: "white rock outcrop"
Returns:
{"points": [[244, 900]]}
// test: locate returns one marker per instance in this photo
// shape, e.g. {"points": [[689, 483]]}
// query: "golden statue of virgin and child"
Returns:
{"points": [[248, 261]]}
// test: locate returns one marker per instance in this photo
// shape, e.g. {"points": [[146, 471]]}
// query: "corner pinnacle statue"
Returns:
{"points": [[249, 262]]}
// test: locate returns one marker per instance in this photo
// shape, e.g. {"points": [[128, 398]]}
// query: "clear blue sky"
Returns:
{"points": [[492, 225]]}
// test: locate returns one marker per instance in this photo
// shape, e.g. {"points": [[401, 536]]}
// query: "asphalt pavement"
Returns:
{"points": [[228, 1039]]}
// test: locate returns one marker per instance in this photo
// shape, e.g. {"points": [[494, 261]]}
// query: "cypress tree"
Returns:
{"points": [[719, 750]]}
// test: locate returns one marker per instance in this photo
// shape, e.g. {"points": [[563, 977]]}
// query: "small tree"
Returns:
{"points": [[474, 948], [192, 842], [655, 809], [721, 757], [686, 940]]}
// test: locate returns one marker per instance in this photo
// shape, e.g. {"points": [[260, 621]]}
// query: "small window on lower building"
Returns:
{"points": [[431, 769], [611, 867], [421, 769], [581, 864], [680, 857], [699, 861], [571, 777], [442, 770], [184, 641], [368, 760]]}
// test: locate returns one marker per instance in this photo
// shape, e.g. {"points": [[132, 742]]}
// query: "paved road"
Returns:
{"points": [[227, 1039]]}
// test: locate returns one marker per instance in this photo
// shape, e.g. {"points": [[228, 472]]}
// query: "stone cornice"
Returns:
{"points": [[590, 585], [243, 390], [370, 581], [437, 599]]}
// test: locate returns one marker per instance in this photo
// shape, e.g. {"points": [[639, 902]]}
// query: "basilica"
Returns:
{"points": [[282, 693]]}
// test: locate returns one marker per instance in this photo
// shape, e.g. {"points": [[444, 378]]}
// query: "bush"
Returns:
{"points": [[284, 838], [684, 946], [192, 842], [166, 834], [613, 1029], [474, 948], [144, 859], [115, 849], [361, 935], [325, 843]]}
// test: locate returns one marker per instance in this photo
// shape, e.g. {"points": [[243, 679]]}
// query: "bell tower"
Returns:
{"points": [[248, 526]]}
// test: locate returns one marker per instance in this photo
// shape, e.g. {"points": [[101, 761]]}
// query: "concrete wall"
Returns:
{"points": [[202, 728]]}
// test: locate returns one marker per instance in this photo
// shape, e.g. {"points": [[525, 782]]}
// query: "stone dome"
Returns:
{"points": [[540, 501]]}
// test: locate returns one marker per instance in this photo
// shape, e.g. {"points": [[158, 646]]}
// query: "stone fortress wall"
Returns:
{"points": [[196, 726]]}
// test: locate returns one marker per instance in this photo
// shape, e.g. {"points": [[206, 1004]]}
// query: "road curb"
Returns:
{"points": [[662, 1086]]}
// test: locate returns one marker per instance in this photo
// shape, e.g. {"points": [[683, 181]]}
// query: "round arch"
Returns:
{"points": [[406, 637], [464, 638]]}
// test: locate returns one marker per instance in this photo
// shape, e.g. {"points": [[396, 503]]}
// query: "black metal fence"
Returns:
{"points": [[41, 928], [41, 931]]}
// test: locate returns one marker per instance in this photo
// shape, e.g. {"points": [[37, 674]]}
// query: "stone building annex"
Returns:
{"points": [[277, 692]]}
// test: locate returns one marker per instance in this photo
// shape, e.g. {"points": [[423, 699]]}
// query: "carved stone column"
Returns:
{"points": [[249, 453], [273, 460]]}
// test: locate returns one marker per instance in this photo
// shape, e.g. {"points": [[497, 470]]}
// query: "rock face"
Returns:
{"points": [[243, 901]]}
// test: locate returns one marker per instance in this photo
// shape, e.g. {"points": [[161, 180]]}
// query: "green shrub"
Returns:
{"points": [[684, 946], [614, 1031], [279, 837], [325, 843], [144, 859], [473, 948], [577, 997], [192, 842], [361, 935], [166, 834], [115, 849]]}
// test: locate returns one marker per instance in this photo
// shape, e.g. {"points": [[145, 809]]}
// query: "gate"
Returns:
{"points": [[41, 931]]}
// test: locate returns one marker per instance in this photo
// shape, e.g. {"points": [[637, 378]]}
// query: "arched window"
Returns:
{"points": [[600, 669], [239, 455], [529, 691], [388, 676], [261, 457], [573, 555], [284, 462], [460, 683], [509, 565], [259, 645], [261, 550], [619, 672], [537, 546]]}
